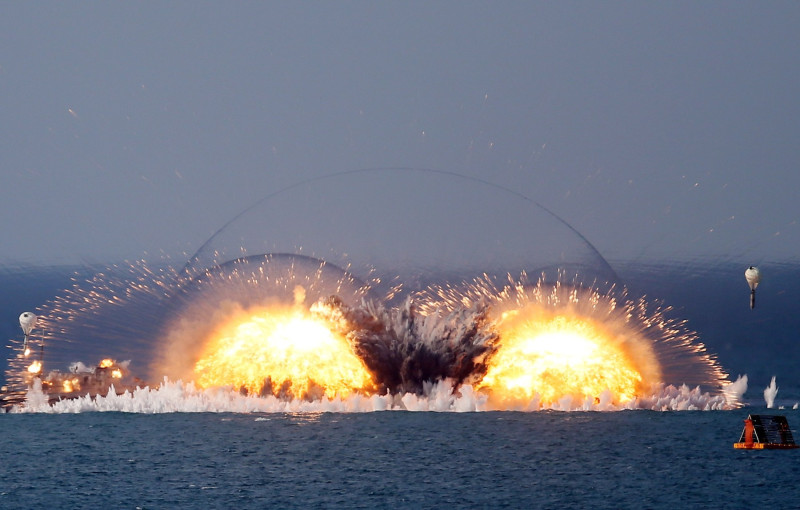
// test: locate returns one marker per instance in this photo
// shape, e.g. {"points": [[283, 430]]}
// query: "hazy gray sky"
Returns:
{"points": [[658, 130]]}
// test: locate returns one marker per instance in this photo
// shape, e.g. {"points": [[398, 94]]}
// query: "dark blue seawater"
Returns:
{"points": [[629, 459]]}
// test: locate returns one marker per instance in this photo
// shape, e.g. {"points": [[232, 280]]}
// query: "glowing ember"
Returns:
{"points": [[69, 386], [35, 367], [297, 352]]}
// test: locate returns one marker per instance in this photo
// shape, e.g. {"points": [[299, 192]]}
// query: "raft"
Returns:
{"points": [[765, 432]]}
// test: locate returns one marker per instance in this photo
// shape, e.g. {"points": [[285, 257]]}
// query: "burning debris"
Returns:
{"points": [[83, 380], [107, 376]]}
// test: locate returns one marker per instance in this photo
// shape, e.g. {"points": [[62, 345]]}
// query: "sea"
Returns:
{"points": [[392, 459], [162, 457]]}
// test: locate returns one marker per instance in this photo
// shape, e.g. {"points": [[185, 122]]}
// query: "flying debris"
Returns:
{"points": [[27, 321], [753, 276]]}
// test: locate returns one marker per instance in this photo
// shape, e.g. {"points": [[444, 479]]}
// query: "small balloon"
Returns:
{"points": [[27, 322], [753, 276]]}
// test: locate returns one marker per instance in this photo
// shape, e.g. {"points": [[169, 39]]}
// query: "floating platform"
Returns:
{"points": [[765, 432]]}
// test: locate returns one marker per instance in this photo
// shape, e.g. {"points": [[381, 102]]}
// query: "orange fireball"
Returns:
{"points": [[557, 355], [299, 354]]}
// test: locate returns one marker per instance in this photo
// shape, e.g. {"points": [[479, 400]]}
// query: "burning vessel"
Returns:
{"points": [[107, 376]]}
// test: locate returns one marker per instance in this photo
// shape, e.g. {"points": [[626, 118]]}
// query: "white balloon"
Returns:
{"points": [[753, 276], [27, 322]]}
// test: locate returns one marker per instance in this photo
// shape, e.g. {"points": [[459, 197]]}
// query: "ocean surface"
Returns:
{"points": [[402, 459], [392, 459]]}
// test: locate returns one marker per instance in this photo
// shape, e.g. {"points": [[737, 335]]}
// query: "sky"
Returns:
{"points": [[659, 131]]}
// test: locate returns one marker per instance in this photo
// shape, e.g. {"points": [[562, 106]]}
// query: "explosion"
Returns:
{"points": [[35, 367], [555, 356], [559, 343], [370, 318], [303, 330], [285, 351]]}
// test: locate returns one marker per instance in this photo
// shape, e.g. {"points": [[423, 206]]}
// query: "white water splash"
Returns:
{"points": [[179, 397], [770, 392], [733, 391]]}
